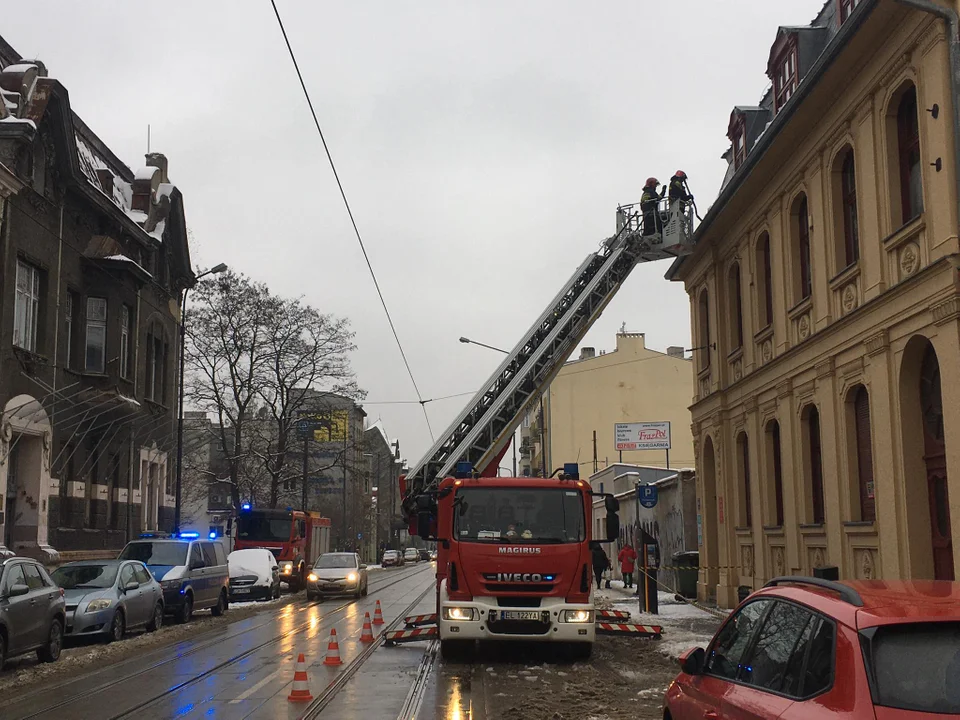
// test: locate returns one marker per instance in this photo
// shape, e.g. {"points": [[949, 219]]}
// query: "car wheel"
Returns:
{"points": [[157, 621], [221, 607], [51, 651], [3, 650], [311, 596], [276, 591], [365, 589], [186, 611], [117, 627]]}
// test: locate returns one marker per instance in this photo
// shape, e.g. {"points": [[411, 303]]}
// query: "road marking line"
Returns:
{"points": [[250, 691]]}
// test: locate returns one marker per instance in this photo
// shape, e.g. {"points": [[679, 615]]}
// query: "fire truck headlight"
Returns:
{"points": [[578, 616], [287, 568], [458, 613]]}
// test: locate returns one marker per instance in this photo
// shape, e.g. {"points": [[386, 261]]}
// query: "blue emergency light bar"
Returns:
{"points": [[190, 535], [245, 507], [571, 470], [213, 535], [464, 470]]}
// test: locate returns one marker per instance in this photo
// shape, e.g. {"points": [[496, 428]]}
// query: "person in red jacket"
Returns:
{"points": [[627, 558]]}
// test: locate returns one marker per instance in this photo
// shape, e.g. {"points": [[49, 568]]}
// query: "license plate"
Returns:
{"points": [[241, 591], [330, 586], [519, 615]]}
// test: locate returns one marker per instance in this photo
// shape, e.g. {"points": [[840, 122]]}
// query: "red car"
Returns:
{"points": [[810, 649]]}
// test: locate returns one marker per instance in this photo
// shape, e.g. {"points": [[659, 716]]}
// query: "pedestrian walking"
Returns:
{"points": [[600, 563], [628, 559]]}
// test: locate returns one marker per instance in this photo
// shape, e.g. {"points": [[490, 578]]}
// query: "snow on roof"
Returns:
{"points": [[12, 119], [19, 67], [124, 258], [147, 173], [157, 232], [90, 162]]}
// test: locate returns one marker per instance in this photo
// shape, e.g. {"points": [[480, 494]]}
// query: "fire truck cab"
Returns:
{"points": [[296, 539]]}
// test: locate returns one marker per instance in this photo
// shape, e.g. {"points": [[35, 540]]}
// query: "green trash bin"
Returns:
{"points": [[687, 567]]}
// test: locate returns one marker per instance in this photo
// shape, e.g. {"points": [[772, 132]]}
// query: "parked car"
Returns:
{"points": [[193, 573], [433, 555], [424, 555], [337, 574], [254, 573], [411, 555], [807, 648], [32, 615], [109, 597], [391, 558]]}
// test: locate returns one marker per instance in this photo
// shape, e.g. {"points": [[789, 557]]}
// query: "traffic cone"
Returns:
{"points": [[333, 650], [367, 635], [301, 687], [377, 615]]}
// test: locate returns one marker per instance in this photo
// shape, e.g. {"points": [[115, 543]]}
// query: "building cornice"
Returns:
{"points": [[10, 184]]}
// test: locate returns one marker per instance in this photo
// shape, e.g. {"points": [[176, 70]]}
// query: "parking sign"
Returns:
{"points": [[648, 496]]}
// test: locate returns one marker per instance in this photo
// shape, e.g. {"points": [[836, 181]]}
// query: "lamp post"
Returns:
{"points": [[468, 341], [215, 270]]}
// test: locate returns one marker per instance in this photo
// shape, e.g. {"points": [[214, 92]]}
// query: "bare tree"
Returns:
{"points": [[228, 353]]}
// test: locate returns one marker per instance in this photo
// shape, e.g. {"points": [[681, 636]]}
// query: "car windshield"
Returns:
{"points": [[156, 553], [518, 515], [85, 576], [916, 667], [253, 526], [336, 561]]}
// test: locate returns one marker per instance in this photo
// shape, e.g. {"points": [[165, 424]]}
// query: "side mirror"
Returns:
{"points": [[363, 567], [693, 661], [132, 585], [18, 590], [613, 526], [611, 503]]}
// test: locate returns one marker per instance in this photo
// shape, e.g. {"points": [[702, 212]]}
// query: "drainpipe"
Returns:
{"points": [[952, 21]]}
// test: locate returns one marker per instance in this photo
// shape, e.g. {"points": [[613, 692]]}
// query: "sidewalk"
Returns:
{"points": [[684, 626]]}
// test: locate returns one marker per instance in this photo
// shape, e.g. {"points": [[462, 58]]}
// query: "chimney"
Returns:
{"points": [[41, 68], [158, 160], [106, 180], [587, 353], [675, 351]]}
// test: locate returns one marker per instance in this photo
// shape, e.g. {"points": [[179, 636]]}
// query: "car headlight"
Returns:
{"points": [[459, 613], [578, 616], [98, 605], [170, 584], [312, 577], [351, 577]]}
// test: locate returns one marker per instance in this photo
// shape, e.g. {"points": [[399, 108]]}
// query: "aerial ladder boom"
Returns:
{"points": [[482, 431]]}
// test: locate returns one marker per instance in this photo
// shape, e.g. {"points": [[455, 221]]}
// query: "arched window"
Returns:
{"points": [[764, 281], [813, 469], [736, 307], [848, 208], [908, 146], [743, 468], [863, 456], [774, 479], [800, 219], [703, 313]]}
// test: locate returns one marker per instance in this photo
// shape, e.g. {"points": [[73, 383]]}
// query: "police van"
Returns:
{"points": [[193, 573]]}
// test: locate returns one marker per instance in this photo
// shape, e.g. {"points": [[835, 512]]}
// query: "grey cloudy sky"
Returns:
{"points": [[484, 147]]}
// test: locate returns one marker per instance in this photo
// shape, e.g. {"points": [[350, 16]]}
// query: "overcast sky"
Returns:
{"points": [[484, 147]]}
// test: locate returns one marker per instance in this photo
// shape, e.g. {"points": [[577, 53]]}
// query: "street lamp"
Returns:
{"points": [[215, 270], [468, 341]]}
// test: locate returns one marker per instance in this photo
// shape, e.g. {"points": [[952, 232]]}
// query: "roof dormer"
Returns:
{"points": [[794, 52], [744, 129]]}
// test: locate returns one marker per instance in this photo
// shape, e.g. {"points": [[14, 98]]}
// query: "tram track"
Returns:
{"points": [[327, 620]]}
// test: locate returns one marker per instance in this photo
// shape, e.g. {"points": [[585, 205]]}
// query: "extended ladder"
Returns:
{"points": [[484, 428]]}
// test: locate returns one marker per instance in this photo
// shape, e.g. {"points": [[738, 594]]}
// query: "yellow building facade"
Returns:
{"points": [[825, 291], [630, 384]]}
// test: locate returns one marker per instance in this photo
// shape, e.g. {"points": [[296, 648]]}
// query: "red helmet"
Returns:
{"points": [[681, 174], [652, 181]]}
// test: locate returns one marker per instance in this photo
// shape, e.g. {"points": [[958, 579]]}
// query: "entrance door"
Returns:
{"points": [[935, 459]]}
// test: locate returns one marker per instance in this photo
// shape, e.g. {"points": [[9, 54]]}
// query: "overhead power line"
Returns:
{"points": [[353, 222]]}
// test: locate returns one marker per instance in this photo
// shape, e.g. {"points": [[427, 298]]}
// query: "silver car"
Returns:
{"points": [[108, 597], [337, 574]]}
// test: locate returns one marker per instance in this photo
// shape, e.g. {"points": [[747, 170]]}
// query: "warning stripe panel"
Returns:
{"points": [[628, 629], [399, 636], [618, 614], [415, 620]]}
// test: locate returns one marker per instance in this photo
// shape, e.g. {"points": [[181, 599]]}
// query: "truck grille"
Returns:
{"points": [[519, 627], [527, 602], [538, 588]]}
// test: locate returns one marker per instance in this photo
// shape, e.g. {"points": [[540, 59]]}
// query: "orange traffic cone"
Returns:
{"points": [[367, 635], [377, 615], [333, 650], [301, 687]]}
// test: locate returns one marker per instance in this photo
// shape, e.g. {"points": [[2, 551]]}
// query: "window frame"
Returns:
{"points": [[906, 144], [735, 290], [30, 297], [848, 206], [99, 324], [765, 251], [846, 9], [126, 332], [786, 73], [743, 448], [862, 495], [833, 655], [815, 459], [748, 648], [803, 249], [703, 312]]}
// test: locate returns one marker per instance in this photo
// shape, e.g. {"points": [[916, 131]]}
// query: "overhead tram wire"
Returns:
{"points": [[353, 222]]}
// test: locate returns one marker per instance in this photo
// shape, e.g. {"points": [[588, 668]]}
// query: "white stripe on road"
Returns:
{"points": [[250, 691]]}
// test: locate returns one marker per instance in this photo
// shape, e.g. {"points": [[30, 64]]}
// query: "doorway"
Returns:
{"points": [[935, 462]]}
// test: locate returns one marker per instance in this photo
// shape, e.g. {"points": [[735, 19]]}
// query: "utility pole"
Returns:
{"points": [[303, 499]]}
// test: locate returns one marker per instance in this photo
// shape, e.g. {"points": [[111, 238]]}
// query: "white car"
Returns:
{"points": [[337, 574], [391, 558], [254, 573], [411, 555]]}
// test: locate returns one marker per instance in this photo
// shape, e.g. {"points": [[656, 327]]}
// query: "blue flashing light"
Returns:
{"points": [[548, 577], [464, 469], [213, 535], [190, 535], [571, 470], [245, 507]]}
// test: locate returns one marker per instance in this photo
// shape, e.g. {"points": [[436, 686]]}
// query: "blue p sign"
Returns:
{"points": [[648, 496]]}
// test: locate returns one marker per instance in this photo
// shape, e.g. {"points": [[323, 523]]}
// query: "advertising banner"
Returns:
{"points": [[643, 436]]}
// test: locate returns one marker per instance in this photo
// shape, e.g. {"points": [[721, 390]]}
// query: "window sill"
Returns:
{"points": [[905, 232], [849, 273], [157, 405], [800, 308], [773, 530], [745, 532], [764, 334], [735, 354], [92, 374], [30, 355], [813, 530]]}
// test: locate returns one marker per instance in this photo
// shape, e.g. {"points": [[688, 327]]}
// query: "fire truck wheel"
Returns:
{"points": [[456, 650]]}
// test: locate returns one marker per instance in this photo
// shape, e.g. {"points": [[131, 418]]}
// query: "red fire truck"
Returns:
{"points": [[514, 560], [295, 538]]}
